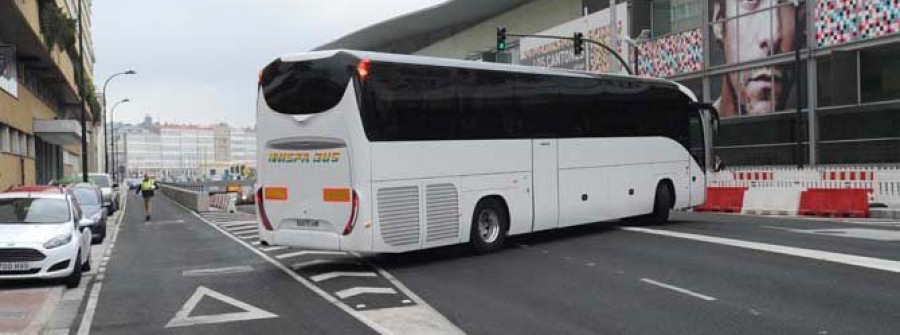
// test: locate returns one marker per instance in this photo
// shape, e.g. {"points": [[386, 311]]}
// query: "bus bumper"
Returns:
{"points": [[308, 239]]}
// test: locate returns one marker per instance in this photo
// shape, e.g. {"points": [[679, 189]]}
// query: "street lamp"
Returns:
{"points": [[105, 127], [111, 118]]}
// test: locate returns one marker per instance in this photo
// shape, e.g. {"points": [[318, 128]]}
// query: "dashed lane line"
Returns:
{"points": [[827, 256], [678, 289], [91, 308], [414, 319]]}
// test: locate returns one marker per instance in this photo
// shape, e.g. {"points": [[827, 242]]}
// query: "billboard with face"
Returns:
{"points": [[748, 30]]}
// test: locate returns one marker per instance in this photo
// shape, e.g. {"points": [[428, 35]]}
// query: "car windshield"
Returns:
{"points": [[87, 196], [33, 211], [99, 180]]}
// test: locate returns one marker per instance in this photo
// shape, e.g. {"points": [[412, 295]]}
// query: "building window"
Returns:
{"points": [[836, 79], [8, 75], [878, 73], [672, 16]]}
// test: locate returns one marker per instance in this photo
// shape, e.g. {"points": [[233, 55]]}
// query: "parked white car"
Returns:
{"points": [[43, 236]]}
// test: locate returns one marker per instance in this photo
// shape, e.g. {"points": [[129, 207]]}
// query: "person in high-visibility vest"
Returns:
{"points": [[146, 189]]}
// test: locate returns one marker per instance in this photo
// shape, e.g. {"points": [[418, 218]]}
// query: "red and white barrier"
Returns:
{"points": [[881, 182], [788, 201], [225, 202]]}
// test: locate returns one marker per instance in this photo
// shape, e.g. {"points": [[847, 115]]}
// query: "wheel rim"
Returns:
{"points": [[488, 226]]}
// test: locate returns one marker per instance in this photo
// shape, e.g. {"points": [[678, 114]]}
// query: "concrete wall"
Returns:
{"points": [[531, 17], [196, 201]]}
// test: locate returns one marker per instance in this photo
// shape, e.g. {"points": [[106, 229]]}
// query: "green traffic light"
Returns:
{"points": [[501, 46]]}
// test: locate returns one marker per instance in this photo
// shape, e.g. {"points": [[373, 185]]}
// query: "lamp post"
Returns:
{"points": [[111, 119], [107, 127]]}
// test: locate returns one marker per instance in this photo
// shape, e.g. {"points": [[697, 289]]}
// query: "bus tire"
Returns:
{"points": [[490, 223], [661, 205]]}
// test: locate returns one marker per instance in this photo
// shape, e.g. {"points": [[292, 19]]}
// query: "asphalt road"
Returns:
{"points": [[593, 279]]}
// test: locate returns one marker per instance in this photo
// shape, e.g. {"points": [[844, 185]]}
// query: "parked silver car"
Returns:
{"points": [[90, 199], [109, 189]]}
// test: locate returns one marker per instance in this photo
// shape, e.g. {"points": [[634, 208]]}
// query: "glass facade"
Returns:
{"points": [[739, 55]]}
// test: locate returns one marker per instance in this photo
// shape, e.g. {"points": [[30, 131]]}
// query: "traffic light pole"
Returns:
{"points": [[604, 46]]}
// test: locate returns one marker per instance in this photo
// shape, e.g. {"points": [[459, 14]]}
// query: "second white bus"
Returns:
{"points": [[387, 153]]}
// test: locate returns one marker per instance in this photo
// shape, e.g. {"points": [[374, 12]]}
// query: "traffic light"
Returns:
{"points": [[501, 38], [578, 41]]}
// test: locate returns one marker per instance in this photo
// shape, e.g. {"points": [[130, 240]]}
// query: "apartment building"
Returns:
{"points": [[40, 135]]}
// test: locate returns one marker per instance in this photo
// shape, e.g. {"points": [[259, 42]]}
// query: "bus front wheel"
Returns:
{"points": [[490, 223]]}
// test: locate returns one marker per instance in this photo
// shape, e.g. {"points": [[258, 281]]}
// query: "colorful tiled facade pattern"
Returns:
{"points": [[672, 55], [842, 21]]}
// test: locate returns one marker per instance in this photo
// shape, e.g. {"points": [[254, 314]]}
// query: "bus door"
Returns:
{"points": [[545, 187]]}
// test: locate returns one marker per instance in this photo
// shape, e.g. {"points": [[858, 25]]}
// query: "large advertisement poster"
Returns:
{"points": [[560, 53], [743, 31], [8, 70], [842, 21], [672, 54]]}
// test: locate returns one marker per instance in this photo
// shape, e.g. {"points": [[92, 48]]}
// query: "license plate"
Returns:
{"points": [[13, 266], [306, 223]]}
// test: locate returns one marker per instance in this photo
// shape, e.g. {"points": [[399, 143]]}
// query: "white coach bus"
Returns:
{"points": [[377, 152]]}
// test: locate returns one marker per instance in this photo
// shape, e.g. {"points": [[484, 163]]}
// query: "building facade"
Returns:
{"points": [[838, 105], [182, 151], [40, 137]]}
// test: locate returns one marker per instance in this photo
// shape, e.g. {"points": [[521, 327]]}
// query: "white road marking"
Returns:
{"points": [[355, 291], [860, 261], [360, 305], [219, 271], [860, 233], [242, 228], [309, 252], [88, 318], [182, 317], [255, 243], [238, 223], [417, 319], [249, 237], [332, 275], [678, 289], [298, 266], [247, 233], [270, 249]]}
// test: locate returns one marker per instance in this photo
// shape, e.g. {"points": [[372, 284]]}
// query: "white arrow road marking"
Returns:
{"points": [[182, 317], [332, 275], [678, 289], [355, 291], [309, 252]]}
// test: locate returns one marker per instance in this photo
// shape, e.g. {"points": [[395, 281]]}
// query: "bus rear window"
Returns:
{"points": [[305, 87]]}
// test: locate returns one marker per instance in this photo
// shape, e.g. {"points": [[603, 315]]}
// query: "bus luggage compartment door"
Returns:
{"points": [[545, 179]]}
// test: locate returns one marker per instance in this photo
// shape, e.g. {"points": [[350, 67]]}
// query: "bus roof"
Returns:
{"points": [[466, 64]]}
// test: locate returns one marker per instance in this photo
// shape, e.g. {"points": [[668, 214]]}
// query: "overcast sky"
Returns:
{"points": [[198, 60]]}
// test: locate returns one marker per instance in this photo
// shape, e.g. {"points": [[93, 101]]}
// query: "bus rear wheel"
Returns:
{"points": [[490, 223], [661, 205]]}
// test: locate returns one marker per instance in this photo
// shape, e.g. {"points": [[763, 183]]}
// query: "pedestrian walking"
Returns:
{"points": [[147, 189]]}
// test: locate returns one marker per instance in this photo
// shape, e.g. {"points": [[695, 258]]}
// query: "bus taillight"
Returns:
{"points": [[351, 223], [261, 208], [363, 69]]}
